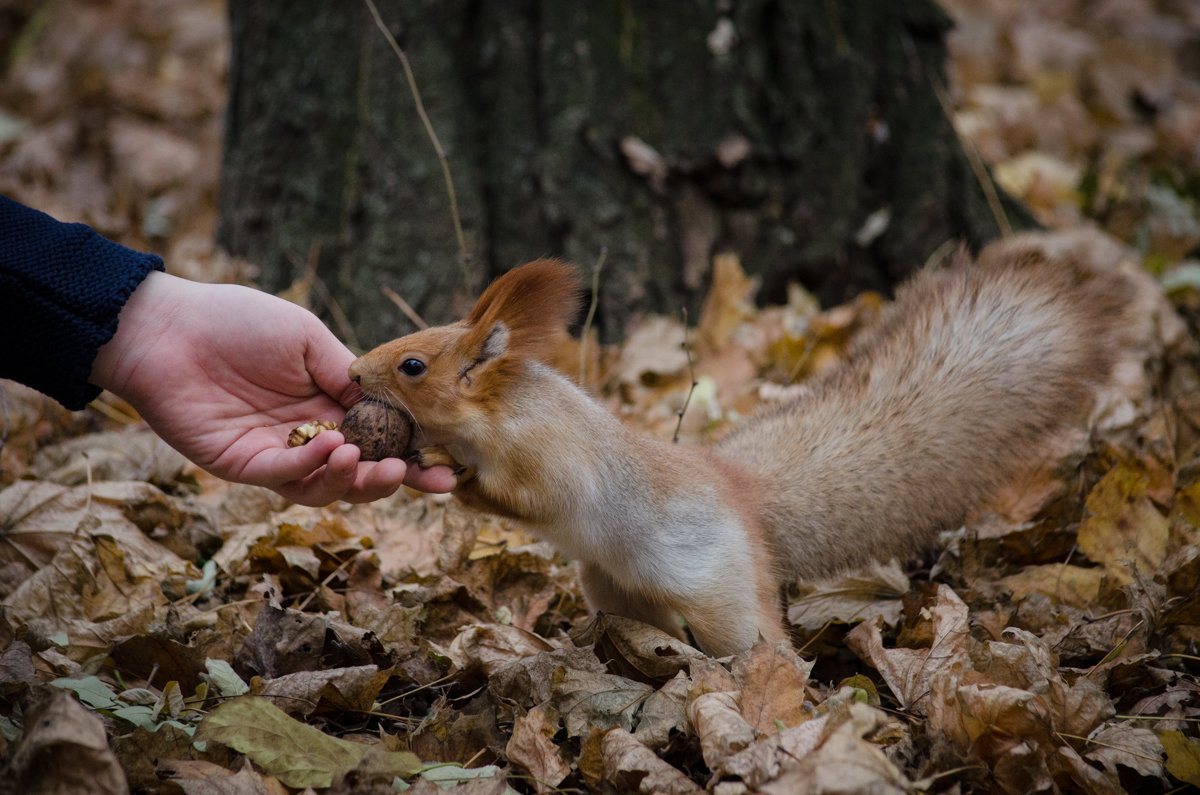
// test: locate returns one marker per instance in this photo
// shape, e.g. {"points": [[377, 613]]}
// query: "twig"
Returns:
{"points": [[404, 307], [463, 254], [308, 597], [591, 314], [1087, 740], [692, 370], [973, 158]]}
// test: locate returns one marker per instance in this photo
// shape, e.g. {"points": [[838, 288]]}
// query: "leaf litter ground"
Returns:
{"points": [[163, 631]]}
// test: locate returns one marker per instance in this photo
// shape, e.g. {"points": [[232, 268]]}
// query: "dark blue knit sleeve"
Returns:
{"points": [[62, 287]]}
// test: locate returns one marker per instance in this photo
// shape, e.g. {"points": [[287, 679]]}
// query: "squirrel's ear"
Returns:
{"points": [[495, 344], [534, 302], [486, 346]]}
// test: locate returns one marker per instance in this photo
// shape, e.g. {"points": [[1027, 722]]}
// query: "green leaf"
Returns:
{"points": [[297, 754], [137, 715], [225, 678], [91, 691]]}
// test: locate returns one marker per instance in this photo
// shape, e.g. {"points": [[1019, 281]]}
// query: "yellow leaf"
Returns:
{"points": [[1070, 585], [1123, 526], [1183, 756]]}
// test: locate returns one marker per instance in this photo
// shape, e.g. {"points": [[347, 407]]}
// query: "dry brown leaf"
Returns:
{"points": [[344, 689], [128, 455], [653, 354], [763, 760], [634, 649], [718, 722], [908, 671], [591, 702], [729, 303], [862, 595], [490, 647], [531, 681], [632, 767], [63, 750], [663, 713], [198, 777], [532, 746], [1125, 745], [773, 681], [845, 760]]}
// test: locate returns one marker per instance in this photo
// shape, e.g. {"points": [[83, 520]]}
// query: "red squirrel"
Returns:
{"points": [[947, 397]]}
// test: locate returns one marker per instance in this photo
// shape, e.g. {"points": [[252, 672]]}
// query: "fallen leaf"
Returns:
{"points": [[1183, 756], [845, 760], [351, 690], [873, 592], [773, 681], [490, 647], [64, 749], [297, 754], [632, 767], [634, 649], [908, 671], [718, 722], [591, 702], [663, 713], [1072, 585], [199, 777], [1125, 745], [532, 746], [1123, 526]]}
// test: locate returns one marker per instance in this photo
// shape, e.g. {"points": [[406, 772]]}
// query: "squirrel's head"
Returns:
{"points": [[440, 375]]}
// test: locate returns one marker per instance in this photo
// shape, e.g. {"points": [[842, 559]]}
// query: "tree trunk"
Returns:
{"points": [[806, 137]]}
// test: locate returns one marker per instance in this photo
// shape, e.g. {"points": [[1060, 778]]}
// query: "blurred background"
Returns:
{"points": [[839, 145]]}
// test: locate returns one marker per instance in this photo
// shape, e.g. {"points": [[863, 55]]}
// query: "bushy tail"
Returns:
{"points": [[969, 372]]}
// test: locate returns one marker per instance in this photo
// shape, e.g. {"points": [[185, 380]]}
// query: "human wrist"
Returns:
{"points": [[143, 318]]}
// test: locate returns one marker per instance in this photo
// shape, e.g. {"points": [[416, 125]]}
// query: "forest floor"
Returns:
{"points": [[162, 630]]}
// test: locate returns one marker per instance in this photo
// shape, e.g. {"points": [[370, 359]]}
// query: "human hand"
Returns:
{"points": [[223, 373]]}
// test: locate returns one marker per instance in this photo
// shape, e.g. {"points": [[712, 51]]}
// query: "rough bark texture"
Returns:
{"points": [[658, 132]]}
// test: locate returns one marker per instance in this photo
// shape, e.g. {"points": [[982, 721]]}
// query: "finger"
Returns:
{"points": [[329, 483], [435, 480], [277, 465], [376, 480], [328, 361]]}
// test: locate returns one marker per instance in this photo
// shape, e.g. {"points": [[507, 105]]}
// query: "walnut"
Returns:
{"points": [[379, 430], [308, 431]]}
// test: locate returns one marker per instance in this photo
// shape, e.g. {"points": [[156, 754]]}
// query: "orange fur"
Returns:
{"points": [[968, 371]]}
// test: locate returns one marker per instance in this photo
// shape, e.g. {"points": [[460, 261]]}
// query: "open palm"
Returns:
{"points": [[223, 373]]}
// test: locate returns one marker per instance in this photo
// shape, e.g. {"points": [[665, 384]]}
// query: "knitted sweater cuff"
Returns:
{"points": [[62, 287]]}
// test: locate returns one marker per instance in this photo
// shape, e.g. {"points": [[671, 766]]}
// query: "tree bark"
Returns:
{"points": [[806, 137]]}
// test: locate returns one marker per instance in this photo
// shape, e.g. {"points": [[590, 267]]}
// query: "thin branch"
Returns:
{"points": [[591, 314], [973, 157], [403, 306], [692, 370], [463, 254]]}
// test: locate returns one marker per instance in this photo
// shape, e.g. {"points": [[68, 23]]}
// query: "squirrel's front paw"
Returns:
{"points": [[428, 457]]}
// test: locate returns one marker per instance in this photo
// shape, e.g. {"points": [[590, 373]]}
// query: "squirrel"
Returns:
{"points": [[945, 399]]}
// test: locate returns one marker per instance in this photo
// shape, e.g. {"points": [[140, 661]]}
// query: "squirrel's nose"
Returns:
{"points": [[355, 372]]}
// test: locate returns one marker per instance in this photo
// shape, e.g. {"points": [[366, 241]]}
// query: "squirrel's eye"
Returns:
{"points": [[413, 367]]}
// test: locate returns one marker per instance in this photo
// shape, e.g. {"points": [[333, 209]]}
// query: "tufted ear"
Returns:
{"points": [[532, 303]]}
